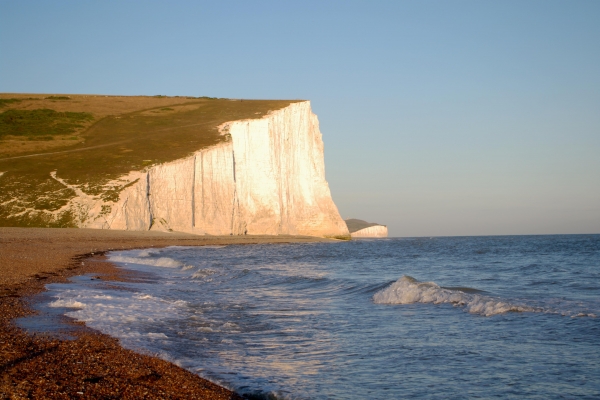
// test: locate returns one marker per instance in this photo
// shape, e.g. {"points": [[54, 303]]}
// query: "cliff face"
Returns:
{"points": [[267, 178], [377, 231]]}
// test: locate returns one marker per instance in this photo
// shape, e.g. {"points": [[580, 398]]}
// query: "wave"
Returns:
{"points": [[203, 273], [154, 258], [408, 290], [156, 262], [68, 303]]}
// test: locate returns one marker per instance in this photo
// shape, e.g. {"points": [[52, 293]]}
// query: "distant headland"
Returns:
{"points": [[363, 229]]}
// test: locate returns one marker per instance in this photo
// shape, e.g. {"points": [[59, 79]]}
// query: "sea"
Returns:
{"points": [[393, 318]]}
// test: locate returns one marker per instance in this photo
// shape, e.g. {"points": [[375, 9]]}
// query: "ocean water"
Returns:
{"points": [[455, 317]]}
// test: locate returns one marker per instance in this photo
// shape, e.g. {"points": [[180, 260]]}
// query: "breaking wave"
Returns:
{"points": [[154, 258], [408, 290], [156, 262], [69, 303]]}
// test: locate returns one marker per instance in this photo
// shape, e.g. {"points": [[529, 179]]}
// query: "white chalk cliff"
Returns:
{"points": [[267, 178], [376, 231]]}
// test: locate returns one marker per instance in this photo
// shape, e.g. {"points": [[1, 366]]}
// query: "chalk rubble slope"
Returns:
{"points": [[267, 178]]}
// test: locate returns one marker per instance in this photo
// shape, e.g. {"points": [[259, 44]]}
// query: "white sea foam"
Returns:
{"points": [[122, 314], [210, 246], [408, 290], [203, 273], [156, 262], [102, 296], [141, 296], [154, 335], [67, 303], [147, 252]]}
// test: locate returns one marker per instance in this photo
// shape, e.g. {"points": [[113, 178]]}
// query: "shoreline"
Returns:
{"points": [[93, 364]]}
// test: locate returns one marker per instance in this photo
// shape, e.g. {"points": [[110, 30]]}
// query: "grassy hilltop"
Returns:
{"points": [[90, 140]]}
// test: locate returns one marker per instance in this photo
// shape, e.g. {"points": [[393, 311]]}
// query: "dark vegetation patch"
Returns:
{"points": [[205, 98], [5, 102], [41, 123], [58, 98], [43, 138]]}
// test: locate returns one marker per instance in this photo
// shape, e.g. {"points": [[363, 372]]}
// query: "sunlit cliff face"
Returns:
{"points": [[267, 177]]}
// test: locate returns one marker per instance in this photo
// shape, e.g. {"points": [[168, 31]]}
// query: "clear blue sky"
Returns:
{"points": [[439, 117]]}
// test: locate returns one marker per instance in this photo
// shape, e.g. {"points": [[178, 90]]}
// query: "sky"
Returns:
{"points": [[439, 118]]}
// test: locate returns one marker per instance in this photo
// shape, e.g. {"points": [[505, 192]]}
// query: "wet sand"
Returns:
{"points": [[93, 365]]}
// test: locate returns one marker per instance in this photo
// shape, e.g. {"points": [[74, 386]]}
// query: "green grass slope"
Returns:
{"points": [[91, 140]]}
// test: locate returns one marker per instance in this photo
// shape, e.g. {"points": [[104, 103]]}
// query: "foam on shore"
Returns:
{"points": [[155, 262]]}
